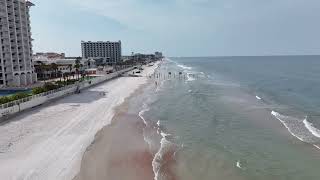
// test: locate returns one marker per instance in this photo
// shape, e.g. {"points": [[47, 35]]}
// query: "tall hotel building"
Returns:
{"points": [[102, 52], [16, 67]]}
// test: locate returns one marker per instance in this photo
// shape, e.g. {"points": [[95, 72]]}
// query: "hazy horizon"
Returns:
{"points": [[186, 28]]}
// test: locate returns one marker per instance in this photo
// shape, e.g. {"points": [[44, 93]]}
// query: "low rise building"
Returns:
{"points": [[158, 55], [143, 58], [49, 55], [47, 68]]}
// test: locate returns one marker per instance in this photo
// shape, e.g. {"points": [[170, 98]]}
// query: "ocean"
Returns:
{"points": [[233, 118]]}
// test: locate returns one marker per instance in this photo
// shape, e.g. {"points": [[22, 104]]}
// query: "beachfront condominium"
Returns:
{"points": [[102, 52], [16, 67]]}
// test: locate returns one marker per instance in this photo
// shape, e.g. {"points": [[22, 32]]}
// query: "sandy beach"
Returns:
{"points": [[48, 142], [122, 150], [119, 151]]}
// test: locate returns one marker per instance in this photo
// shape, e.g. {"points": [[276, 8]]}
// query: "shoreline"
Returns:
{"points": [[48, 142], [118, 150], [101, 161], [130, 148]]}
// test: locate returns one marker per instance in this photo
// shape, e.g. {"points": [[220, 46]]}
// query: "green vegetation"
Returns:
{"points": [[47, 87], [66, 83], [14, 97], [38, 90]]}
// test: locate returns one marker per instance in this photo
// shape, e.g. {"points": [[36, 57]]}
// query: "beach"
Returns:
{"points": [[130, 148], [216, 121], [118, 151], [48, 142]]}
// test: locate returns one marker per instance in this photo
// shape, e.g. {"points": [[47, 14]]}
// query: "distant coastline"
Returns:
{"points": [[245, 56]]}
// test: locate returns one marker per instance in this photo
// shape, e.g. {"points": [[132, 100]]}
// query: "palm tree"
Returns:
{"points": [[55, 68], [88, 63], [41, 68], [70, 69], [81, 69], [60, 75], [77, 66], [47, 68]]}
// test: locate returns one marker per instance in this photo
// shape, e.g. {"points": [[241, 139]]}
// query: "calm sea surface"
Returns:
{"points": [[238, 117]]}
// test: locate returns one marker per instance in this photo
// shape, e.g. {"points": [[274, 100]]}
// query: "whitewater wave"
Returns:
{"points": [[184, 67], [316, 146], [158, 142], [238, 164], [190, 77], [145, 108], [167, 148], [259, 98], [311, 128], [281, 118], [299, 128]]}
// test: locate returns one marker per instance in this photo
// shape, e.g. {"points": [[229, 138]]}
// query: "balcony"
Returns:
{"points": [[4, 23], [8, 68], [15, 66], [2, 13], [15, 57], [6, 50], [4, 29], [12, 24]]}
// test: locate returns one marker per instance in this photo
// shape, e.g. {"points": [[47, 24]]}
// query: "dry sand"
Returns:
{"points": [[48, 142]]}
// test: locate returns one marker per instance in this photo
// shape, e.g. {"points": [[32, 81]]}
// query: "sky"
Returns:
{"points": [[180, 27]]}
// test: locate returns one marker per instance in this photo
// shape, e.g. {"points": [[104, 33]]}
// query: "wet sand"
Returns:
{"points": [[118, 151], [121, 150]]}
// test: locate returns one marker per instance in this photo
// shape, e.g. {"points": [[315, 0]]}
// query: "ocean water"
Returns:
{"points": [[234, 118]]}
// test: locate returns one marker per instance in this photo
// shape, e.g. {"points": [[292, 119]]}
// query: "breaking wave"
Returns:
{"points": [[190, 77], [293, 130], [184, 67], [159, 145], [311, 128], [238, 164], [302, 129], [165, 154]]}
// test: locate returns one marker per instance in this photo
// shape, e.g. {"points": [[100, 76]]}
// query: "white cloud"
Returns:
{"points": [[148, 16]]}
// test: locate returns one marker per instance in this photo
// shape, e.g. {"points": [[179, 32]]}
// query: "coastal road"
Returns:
{"points": [[48, 142]]}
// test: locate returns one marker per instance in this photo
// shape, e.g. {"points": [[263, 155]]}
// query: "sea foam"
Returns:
{"points": [[259, 98], [184, 67], [280, 118], [158, 159], [239, 165], [311, 128], [190, 77]]}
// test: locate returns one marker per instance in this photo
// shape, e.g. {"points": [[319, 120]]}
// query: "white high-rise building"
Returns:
{"points": [[102, 52], [16, 67]]}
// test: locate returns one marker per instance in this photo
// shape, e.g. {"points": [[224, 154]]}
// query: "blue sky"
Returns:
{"points": [[180, 27]]}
